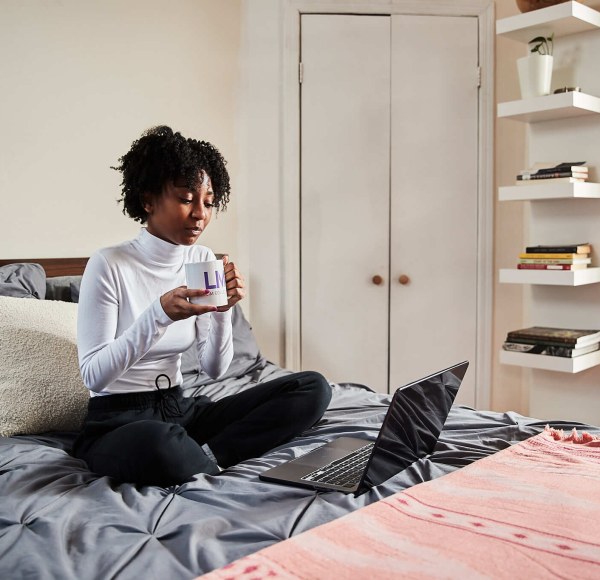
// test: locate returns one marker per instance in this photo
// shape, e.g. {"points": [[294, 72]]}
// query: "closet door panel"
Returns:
{"points": [[434, 192], [345, 134]]}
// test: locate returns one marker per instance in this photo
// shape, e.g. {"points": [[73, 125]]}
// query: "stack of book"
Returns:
{"points": [[556, 257], [563, 342], [567, 171]]}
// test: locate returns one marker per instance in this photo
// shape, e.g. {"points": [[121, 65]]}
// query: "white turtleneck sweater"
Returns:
{"points": [[124, 337]]}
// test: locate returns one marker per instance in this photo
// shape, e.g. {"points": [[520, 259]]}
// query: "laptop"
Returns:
{"points": [[410, 431]]}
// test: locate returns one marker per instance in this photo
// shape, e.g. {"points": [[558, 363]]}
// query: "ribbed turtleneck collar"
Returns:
{"points": [[158, 251]]}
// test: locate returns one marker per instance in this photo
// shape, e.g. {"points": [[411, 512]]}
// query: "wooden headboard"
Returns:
{"points": [[56, 266]]}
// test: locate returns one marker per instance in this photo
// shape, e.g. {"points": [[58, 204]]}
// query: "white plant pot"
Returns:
{"points": [[535, 75]]}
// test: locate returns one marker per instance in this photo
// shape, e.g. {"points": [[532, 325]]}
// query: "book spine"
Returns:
{"points": [[553, 175], [556, 340], [529, 182], [581, 261], [532, 341], [551, 256], [580, 170], [548, 350], [577, 167], [549, 266], [557, 250]]}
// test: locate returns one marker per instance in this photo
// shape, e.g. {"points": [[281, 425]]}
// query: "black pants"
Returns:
{"points": [[155, 438]]}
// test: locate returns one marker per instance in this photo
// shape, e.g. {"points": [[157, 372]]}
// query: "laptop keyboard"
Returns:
{"points": [[345, 472]]}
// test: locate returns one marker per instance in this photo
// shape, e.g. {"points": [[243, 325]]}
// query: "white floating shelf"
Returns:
{"points": [[545, 189], [560, 19], [550, 107], [551, 363], [550, 277]]}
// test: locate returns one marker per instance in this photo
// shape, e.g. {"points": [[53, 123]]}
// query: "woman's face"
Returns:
{"points": [[179, 215]]}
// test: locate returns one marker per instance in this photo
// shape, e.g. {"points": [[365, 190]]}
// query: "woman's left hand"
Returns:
{"points": [[234, 282]]}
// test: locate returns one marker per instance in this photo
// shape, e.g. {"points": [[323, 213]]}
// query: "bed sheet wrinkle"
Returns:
{"points": [[254, 502], [469, 451], [57, 439], [118, 565], [126, 551], [51, 558], [30, 568], [218, 531]]}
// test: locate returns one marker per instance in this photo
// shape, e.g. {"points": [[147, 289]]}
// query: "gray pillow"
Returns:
{"points": [[64, 288], [74, 286], [246, 354], [23, 280]]}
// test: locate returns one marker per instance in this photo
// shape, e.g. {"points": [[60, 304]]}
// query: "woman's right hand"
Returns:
{"points": [[177, 307]]}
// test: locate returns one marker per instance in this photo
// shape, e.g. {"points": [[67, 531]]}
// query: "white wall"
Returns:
{"points": [[261, 172], [508, 390], [81, 79]]}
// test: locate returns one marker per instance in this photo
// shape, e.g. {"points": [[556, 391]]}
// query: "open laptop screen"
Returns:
{"points": [[413, 424]]}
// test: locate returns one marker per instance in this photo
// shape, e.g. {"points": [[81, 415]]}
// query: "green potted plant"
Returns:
{"points": [[535, 69]]}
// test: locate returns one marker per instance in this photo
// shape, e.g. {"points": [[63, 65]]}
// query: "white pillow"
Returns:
{"points": [[40, 385]]}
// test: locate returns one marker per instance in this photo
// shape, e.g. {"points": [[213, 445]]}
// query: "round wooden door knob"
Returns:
{"points": [[377, 280], [404, 279]]}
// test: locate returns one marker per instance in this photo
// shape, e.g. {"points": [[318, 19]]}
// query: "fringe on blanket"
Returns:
{"points": [[584, 438]]}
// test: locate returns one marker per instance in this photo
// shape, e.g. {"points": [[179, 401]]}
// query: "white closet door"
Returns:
{"points": [[345, 132], [434, 197]]}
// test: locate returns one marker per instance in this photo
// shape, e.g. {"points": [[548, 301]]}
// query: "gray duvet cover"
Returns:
{"points": [[59, 521]]}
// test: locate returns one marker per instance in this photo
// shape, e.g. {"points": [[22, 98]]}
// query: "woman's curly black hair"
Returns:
{"points": [[161, 155]]}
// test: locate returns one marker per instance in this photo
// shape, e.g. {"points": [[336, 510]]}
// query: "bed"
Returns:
{"points": [[59, 520]]}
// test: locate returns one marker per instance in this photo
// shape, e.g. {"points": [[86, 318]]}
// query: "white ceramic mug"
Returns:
{"points": [[207, 276]]}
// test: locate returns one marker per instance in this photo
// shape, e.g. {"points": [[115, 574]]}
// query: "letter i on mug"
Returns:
{"points": [[207, 276]]}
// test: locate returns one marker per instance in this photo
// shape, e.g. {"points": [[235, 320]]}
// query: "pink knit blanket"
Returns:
{"points": [[529, 511]]}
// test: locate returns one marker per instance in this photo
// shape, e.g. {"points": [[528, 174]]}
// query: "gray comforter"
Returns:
{"points": [[59, 521]]}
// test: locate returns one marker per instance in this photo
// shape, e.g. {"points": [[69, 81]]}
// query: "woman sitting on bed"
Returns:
{"points": [[135, 319]]}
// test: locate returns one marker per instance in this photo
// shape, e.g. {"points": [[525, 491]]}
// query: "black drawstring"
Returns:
{"points": [[167, 402]]}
